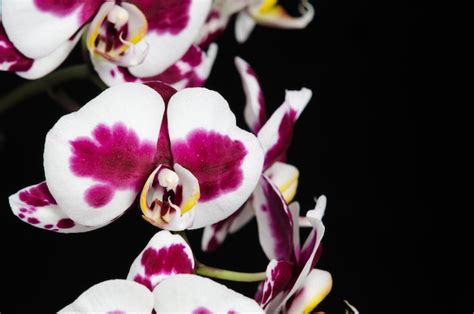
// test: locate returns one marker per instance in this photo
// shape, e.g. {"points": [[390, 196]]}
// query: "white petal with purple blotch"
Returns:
{"points": [[113, 296], [308, 253], [277, 132], [36, 206], [97, 159], [275, 224], [165, 255], [279, 275], [192, 70], [254, 112], [39, 27], [168, 46], [195, 294], [226, 160]]}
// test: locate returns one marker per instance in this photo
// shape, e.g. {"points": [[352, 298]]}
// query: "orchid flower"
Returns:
{"points": [[249, 13], [161, 279], [292, 285], [134, 40], [275, 135], [182, 150]]}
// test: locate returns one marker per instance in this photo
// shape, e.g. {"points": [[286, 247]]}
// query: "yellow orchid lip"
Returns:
{"points": [[164, 210], [114, 43]]}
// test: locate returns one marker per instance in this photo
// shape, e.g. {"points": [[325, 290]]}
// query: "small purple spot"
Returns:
{"points": [[98, 195], [33, 221], [115, 155], [23, 210], [167, 260], [116, 312], [214, 159], [201, 310], [65, 223], [21, 216], [165, 16], [48, 226], [38, 196], [112, 73], [232, 312]]}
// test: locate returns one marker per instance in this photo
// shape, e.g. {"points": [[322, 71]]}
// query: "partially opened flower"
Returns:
{"points": [[275, 135], [292, 285], [249, 13], [140, 37], [161, 279], [182, 150]]}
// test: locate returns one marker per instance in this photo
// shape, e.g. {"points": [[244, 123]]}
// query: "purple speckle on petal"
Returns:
{"points": [[214, 159], [49, 226], [112, 73], [33, 221], [98, 195], [115, 155], [232, 312], [165, 16], [23, 210], [38, 196], [116, 312], [65, 223], [21, 216], [201, 310]]}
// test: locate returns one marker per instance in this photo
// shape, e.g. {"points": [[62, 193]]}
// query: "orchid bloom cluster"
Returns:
{"points": [[133, 40], [187, 169], [157, 140]]}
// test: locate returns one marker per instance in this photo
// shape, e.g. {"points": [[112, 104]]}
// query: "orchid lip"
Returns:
{"points": [[117, 34], [162, 197]]}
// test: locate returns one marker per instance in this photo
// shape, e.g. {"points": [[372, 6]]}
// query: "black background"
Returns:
{"points": [[358, 142]]}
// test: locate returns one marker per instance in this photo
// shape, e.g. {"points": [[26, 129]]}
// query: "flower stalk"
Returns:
{"points": [[32, 88], [224, 274]]}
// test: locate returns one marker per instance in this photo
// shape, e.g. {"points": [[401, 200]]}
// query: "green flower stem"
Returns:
{"points": [[217, 273], [32, 88]]}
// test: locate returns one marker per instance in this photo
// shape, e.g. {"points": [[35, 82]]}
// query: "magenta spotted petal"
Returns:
{"points": [[279, 275], [255, 107], [165, 255], [36, 206], [277, 133], [192, 70], [97, 159], [303, 261], [274, 220], [173, 27], [225, 159], [39, 27]]}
